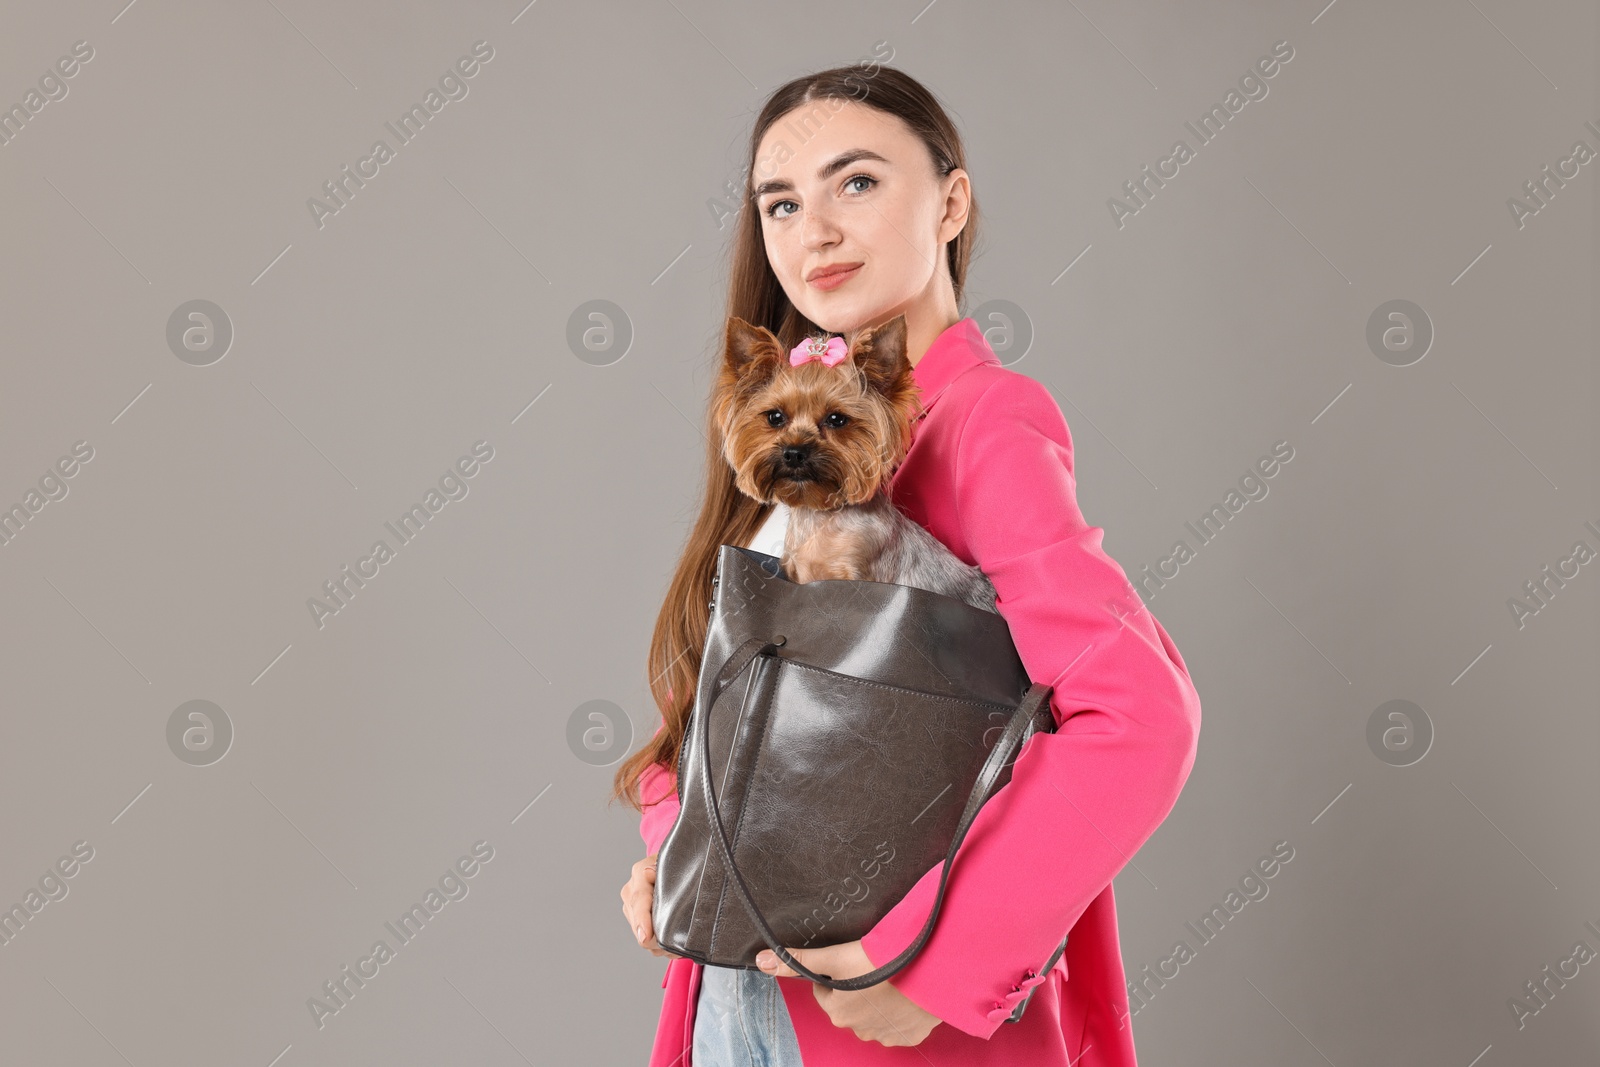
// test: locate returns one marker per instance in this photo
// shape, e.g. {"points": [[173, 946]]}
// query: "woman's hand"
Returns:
{"points": [[638, 896], [878, 1013]]}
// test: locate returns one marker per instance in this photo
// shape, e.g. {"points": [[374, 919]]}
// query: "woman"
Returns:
{"points": [[860, 209]]}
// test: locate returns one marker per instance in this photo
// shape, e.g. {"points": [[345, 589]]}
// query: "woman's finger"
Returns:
{"points": [[769, 963], [654, 946], [638, 899], [642, 931]]}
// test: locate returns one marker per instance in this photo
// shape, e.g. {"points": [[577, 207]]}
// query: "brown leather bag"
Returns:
{"points": [[844, 736]]}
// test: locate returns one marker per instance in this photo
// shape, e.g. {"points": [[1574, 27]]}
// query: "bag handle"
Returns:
{"points": [[1008, 745]]}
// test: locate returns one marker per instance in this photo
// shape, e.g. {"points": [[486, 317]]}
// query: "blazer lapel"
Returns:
{"points": [[954, 352]]}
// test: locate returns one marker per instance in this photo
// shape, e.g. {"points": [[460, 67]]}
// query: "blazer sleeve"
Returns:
{"points": [[658, 791], [658, 794], [1081, 801]]}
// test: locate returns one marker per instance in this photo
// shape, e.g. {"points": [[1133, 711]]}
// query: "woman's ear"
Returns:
{"points": [[957, 205]]}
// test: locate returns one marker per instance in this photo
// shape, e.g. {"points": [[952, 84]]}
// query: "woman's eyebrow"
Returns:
{"points": [[824, 172]]}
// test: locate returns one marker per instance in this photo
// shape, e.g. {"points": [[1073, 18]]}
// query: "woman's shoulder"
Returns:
{"points": [[975, 383], [993, 400]]}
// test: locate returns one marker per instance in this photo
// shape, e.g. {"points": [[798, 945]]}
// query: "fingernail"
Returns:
{"points": [[638, 931]]}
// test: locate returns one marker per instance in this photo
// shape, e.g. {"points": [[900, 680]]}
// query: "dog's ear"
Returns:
{"points": [[745, 345], [880, 352]]}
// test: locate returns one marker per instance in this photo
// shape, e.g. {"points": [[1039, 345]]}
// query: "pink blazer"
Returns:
{"points": [[990, 475]]}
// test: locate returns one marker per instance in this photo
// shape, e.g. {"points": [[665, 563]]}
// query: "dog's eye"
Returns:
{"points": [[774, 418], [833, 420]]}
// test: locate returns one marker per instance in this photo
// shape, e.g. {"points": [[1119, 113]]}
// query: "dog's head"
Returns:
{"points": [[819, 434]]}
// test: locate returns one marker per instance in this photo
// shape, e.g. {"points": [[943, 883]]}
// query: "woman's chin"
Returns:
{"points": [[836, 312]]}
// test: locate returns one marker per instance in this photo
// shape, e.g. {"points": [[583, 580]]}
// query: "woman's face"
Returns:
{"points": [[861, 192]]}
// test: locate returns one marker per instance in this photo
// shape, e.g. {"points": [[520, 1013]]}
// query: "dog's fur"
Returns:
{"points": [[825, 441]]}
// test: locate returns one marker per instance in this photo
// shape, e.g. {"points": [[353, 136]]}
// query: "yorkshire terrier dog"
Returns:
{"points": [[822, 428]]}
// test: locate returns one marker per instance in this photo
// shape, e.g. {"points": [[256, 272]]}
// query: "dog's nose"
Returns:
{"points": [[794, 455]]}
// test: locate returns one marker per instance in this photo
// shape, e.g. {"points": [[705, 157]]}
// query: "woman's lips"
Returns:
{"points": [[833, 281]]}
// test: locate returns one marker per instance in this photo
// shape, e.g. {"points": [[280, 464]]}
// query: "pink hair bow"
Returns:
{"points": [[831, 352]]}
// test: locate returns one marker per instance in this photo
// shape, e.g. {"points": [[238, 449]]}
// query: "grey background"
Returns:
{"points": [[435, 709]]}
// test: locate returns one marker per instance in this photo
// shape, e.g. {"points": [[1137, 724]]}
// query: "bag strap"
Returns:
{"points": [[1002, 753]]}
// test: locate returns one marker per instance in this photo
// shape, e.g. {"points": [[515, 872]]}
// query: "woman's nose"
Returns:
{"points": [[817, 228]]}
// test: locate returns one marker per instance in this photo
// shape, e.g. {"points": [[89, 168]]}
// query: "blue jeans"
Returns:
{"points": [[741, 1020]]}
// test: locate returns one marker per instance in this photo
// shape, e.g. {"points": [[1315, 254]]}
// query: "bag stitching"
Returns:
{"points": [[727, 876], [899, 688]]}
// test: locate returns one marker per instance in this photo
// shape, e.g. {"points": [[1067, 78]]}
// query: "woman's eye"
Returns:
{"points": [[833, 420], [772, 211], [774, 418]]}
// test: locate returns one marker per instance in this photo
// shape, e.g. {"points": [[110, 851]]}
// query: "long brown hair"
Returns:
{"points": [[727, 516]]}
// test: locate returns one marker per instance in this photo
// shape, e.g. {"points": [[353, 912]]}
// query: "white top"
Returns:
{"points": [[769, 538]]}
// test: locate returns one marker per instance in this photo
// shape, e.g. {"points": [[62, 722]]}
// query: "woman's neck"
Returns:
{"points": [[929, 316]]}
